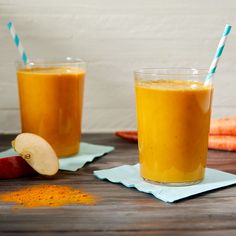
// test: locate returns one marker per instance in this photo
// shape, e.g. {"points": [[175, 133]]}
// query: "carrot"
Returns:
{"points": [[223, 126], [222, 142], [128, 135]]}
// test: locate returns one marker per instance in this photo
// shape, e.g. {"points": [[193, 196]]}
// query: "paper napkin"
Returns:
{"points": [[88, 152], [129, 176]]}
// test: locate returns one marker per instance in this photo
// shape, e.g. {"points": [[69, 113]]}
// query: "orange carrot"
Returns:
{"points": [[223, 126], [221, 142], [128, 135]]}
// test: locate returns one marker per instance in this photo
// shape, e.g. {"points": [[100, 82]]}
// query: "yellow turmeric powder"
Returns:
{"points": [[48, 196]]}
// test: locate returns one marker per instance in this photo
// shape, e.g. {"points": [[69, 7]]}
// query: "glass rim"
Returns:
{"points": [[60, 61], [168, 71]]}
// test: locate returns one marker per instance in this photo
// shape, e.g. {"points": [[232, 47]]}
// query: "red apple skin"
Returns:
{"points": [[14, 167]]}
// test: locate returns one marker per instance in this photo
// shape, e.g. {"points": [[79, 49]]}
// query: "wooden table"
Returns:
{"points": [[121, 210]]}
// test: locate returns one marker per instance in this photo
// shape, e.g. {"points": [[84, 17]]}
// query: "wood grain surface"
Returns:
{"points": [[121, 210]]}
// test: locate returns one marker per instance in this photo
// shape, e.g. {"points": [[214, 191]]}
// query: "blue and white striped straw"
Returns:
{"points": [[218, 53], [17, 42]]}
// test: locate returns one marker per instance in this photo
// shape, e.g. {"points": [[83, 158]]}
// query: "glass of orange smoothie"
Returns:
{"points": [[173, 114], [51, 99]]}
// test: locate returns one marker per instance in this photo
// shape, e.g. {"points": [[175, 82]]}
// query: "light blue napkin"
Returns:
{"points": [[88, 152], [130, 177]]}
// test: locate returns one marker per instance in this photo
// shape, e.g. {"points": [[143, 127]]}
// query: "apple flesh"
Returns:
{"points": [[37, 152], [14, 167]]}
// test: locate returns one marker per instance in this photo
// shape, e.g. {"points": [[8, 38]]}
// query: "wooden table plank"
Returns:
{"points": [[120, 210]]}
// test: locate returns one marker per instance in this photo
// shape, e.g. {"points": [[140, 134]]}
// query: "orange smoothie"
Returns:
{"points": [[173, 126], [51, 105]]}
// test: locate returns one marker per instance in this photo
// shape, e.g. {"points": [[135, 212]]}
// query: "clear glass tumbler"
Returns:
{"points": [[173, 113], [51, 99]]}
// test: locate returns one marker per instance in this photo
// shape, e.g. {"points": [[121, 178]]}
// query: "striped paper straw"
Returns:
{"points": [[218, 53], [17, 42]]}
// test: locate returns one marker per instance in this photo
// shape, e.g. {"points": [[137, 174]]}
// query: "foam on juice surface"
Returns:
{"points": [[172, 85], [52, 70]]}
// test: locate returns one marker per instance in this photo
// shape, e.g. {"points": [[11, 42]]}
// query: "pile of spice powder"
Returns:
{"points": [[48, 196]]}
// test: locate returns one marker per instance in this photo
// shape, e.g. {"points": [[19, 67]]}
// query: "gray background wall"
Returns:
{"points": [[116, 37]]}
